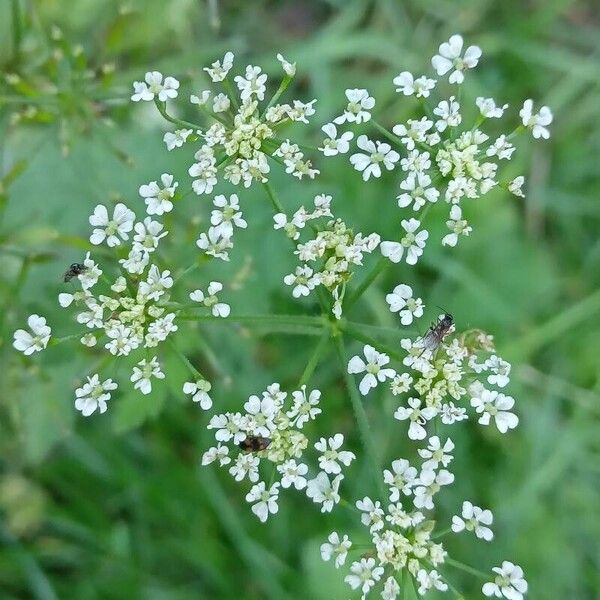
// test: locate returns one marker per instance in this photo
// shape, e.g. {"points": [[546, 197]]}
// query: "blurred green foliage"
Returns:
{"points": [[116, 507]]}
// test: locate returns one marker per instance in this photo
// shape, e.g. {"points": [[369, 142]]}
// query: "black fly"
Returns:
{"points": [[74, 270], [437, 332], [254, 443]]}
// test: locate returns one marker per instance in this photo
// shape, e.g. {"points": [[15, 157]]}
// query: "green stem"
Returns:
{"points": [[282, 87], [314, 359], [185, 360], [274, 200], [388, 134], [17, 29], [230, 92], [361, 419], [357, 334], [466, 568], [185, 272], [162, 109], [444, 531], [379, 267]]}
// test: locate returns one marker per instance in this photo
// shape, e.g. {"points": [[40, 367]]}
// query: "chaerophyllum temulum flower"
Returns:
{"points": [[442, 155], [130, 304]]}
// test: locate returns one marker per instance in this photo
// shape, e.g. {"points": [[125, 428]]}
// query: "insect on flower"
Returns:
{"points": [[254, 443], [73, 271], [437, 332]]}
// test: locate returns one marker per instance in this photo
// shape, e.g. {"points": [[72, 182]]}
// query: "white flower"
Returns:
{"points": [[159, 330], [372, 514], [500, 371], [487, 107], [198, 390], [401, 478], [210, 300], [147, 235], [252, 84], [429, 580], [200, 100], [221, 103], [227, 214], [89, 340], [401, 384], [156, 284], [429, 484], [301, 110], [27, 343], [177, 138], [378, 153], [407, 85], [157, 198], [142, 373], [245, 465], [418, 417], [336, 547], [288, 67], [474, 519], [215, 243], [324, 492], [153, 85], [417, 191], [501, 148], [490, 403], [436, 454], [305, 408], [373, 367], [413, 242], [509, 582], [261, 413], [93, 395], [135, 263], [111, 229], [264, 500], [448, 112], [331, 457], [218, 70], [457, 225], [416, 162], [401, 301], [303, 279], [451, 414], [359, 106], [218, 452], [449, 58], [364, 575], [228, 426], [514, 187], [391, 589], [91, 273], [293, 474], [537, 122], [333, 145]]}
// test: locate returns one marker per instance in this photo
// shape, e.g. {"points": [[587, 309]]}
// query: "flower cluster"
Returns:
{"points": [[127, 309], [329, 257], [126, 305], [243, 134], [438, 160], [443, 380], [402, 534], [271, 444]]}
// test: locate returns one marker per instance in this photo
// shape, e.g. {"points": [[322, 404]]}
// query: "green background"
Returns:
{"points": [[116, 506]]}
